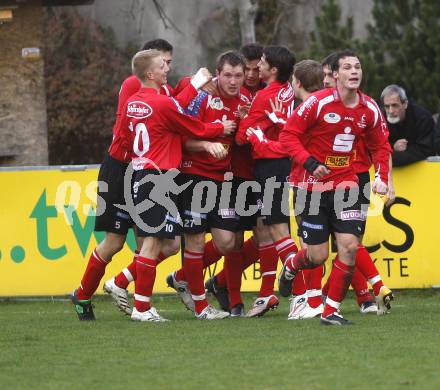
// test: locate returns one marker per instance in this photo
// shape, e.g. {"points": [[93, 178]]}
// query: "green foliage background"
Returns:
{"points": [[85, 68]]}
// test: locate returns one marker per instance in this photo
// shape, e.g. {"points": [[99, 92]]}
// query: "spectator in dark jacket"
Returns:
{"points": [[411, 127]]}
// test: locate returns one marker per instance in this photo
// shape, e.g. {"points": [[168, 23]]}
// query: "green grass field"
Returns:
{"points": [[43, 345]]}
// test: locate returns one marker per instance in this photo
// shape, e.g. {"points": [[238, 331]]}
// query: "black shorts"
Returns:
{"points": [[323, 213], [110, 218], [159, 215], [274, 205], [203, 207], [246, 203], [364, 194]]}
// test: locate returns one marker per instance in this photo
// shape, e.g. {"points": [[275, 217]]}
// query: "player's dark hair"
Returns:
{"points": [[158, 44], [232, 58], [342, 54], [282, 58], [329, 60], [310, 74], [252, 51]]}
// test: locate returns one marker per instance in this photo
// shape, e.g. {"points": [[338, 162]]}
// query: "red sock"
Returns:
{"points": [[299, 261], [250, 252], [92, 276], [233, 270], [313, 278], [298, 285], [365, 265], [220, 278], [360, 288], [180, 274], [193, 268], [211, 254], [268, 267], [143, 286], [327, 285], [161, 258], [325, 288], [285, 247], [251, 256], [128, 274], [339, 281]]}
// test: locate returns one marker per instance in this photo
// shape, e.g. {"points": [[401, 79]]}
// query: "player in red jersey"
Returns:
{"points": [[365, 268], [226, 285], [110, 219], [154, 124], [214, 210], [306, 301], [117, 286], [306, 289], [271, 170], [321, 135]]}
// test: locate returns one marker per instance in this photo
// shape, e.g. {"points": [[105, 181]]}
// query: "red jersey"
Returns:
{"points": [[212, 109], [242, 163], [129, 87], [257, 116], [362, 158], [324, 128], [152, 126]]}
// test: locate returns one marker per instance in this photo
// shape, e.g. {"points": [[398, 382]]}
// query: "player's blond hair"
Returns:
{"points": [[142, 61]]}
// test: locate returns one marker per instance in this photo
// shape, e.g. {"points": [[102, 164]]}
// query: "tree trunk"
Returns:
{"points": [[247, 10]]}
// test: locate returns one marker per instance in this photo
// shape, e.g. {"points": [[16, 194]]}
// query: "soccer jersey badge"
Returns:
{"points": [[216, 103]]}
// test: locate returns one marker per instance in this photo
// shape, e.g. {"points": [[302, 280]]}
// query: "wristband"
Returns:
{"points": [[311, 164], [199, 79]]}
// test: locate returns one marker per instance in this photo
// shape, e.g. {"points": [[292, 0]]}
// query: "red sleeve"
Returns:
{"points": [[184, 92], [256, 117], [260, 147], [303, 118], [128, 88], [189, 126], [376, 139]]}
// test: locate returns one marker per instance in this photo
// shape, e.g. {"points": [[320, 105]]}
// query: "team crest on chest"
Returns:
{"points": [[216, 103], [286, 94], [332, 117]]}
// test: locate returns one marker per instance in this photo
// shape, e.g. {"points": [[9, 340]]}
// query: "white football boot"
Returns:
{"points": [[211, 313], [262, 305], [150, 315], [119, 296], [182, 289]]}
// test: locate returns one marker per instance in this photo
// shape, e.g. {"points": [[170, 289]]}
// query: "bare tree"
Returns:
{"points": [[247, 10]]}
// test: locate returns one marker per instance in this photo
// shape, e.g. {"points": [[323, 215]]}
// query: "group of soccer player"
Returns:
{"points": [[217, 155]]}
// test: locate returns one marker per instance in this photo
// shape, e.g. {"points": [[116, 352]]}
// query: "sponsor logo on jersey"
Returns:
{"points": [[139, 110], [286, 94], [362, 122], [337, 161], [332, 117], [348, 118], [353, 215], [216, 103], [306, 105]]}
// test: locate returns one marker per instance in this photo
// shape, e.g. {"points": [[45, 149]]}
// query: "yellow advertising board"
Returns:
{"points": [[47, 221]]}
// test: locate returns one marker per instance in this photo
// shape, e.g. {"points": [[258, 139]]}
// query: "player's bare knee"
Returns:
{"points": [[195, 242], [225, 243], [317, 255]]}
